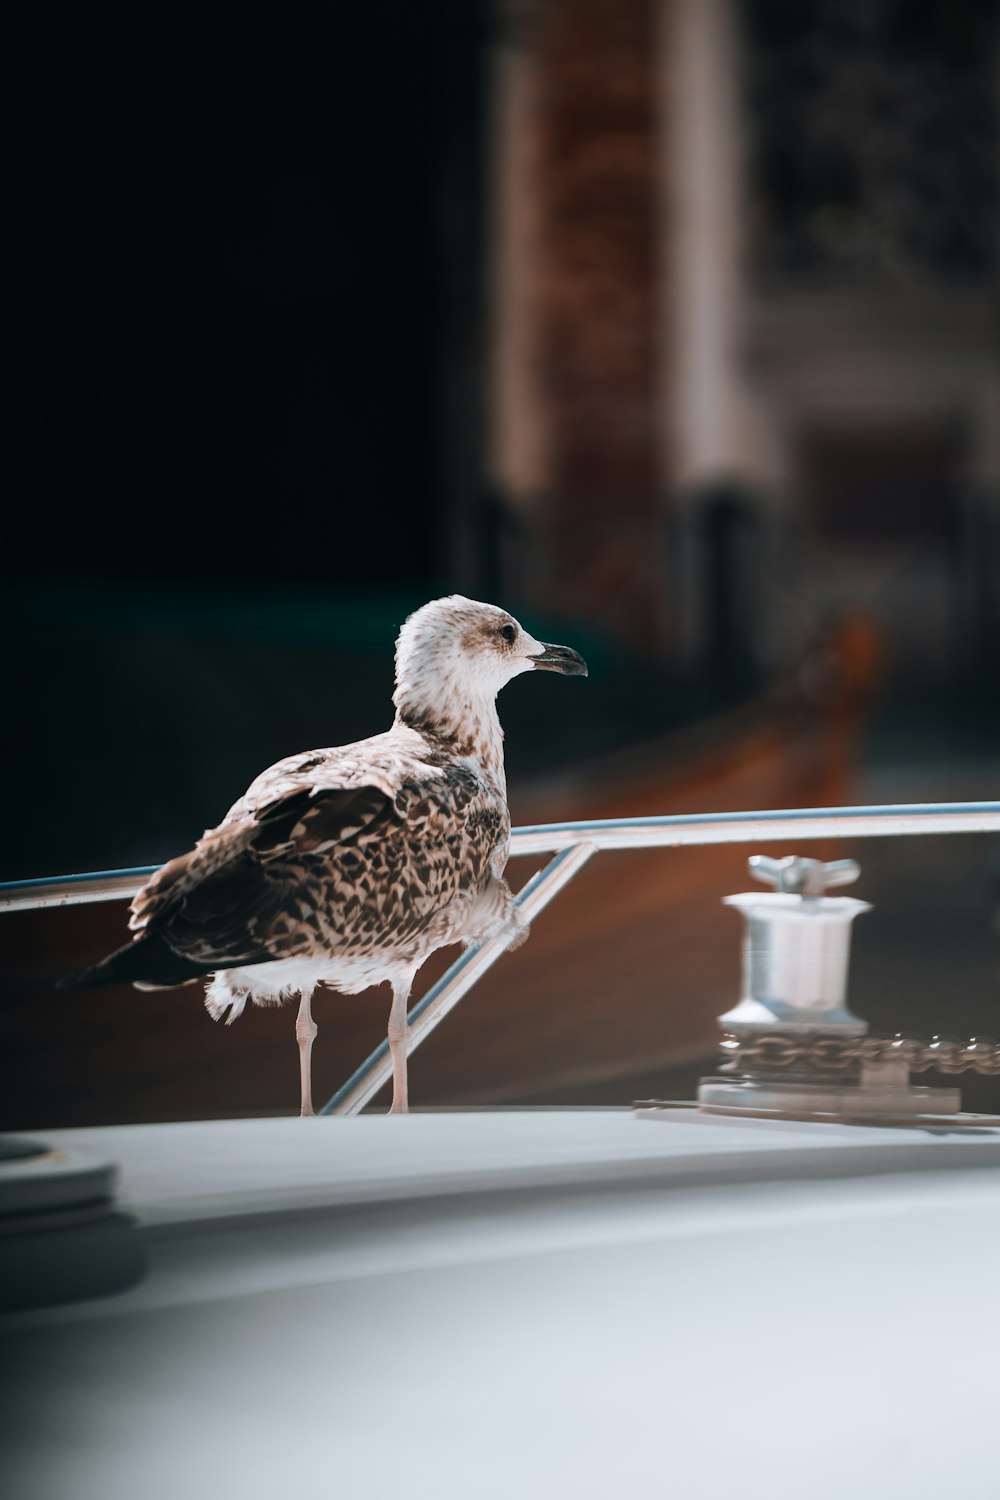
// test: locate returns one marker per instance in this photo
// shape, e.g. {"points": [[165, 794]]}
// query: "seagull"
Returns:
{"points": [[349, 866]]}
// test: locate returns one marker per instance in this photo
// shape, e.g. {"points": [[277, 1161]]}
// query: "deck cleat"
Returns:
{"points": [[792, 1048]]}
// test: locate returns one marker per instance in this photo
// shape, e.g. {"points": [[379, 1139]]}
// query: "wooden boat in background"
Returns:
{"points": [[617, 988]]}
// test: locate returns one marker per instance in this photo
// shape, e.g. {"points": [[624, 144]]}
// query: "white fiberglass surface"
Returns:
{"points": [[779, 1339], [177, 1173]]}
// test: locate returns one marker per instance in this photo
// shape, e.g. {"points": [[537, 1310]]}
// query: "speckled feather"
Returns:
{"points": [[366, 857], [349, 866]]}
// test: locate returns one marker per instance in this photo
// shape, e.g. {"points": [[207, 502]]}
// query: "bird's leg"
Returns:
{"points": [[397, 1046], [305, 1033]]}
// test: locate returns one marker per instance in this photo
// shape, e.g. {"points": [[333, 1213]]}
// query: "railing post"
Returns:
{"points": [[429, 1012]]}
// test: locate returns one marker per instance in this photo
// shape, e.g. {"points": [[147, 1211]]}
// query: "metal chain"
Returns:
{"points": [[827, 1054]]}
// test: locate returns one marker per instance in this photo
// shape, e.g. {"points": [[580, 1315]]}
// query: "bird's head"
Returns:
{"points": [[458, 649]]}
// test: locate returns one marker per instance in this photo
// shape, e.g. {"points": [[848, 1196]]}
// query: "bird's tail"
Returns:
{"points": [[148, 962]]}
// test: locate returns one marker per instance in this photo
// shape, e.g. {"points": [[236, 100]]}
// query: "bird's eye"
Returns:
{"points": [[508, 633]]}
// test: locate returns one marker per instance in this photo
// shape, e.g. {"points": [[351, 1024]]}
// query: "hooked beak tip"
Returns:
{"points": [[561, 659]]}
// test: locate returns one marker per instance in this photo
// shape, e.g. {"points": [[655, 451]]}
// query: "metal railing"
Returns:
{"points": [[572, 845]]}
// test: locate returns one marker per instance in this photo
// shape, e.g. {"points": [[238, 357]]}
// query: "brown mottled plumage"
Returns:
{"points": [[350, 866]]}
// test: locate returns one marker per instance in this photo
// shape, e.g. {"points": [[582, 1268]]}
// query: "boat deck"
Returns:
{"points": [[530, 1304]]}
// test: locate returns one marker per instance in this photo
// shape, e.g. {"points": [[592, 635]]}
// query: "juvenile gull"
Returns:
{"points": [[350, 866]]}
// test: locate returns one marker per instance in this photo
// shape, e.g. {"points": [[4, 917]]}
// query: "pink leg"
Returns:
{"points": [[305, 1032], [397, 1047]]}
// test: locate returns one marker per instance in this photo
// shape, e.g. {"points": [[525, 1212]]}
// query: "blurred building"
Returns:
{"points": [[744, 323], [670, 323]]}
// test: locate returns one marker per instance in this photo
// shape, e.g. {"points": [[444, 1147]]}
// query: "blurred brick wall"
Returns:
{"points": [[596, 544]]}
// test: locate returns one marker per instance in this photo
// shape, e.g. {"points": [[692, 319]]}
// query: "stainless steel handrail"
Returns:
{"points": [[680, 829], [572, 844], [74, 890], [672, 831]]}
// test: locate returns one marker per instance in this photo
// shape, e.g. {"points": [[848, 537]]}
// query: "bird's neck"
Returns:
{"points": [[462, 725]]}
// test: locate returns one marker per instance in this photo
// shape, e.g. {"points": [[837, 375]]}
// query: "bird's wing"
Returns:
{"points": [[342, 850], [369, 763], [227, 900]]}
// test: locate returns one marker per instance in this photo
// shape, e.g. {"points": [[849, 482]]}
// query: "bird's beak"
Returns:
{"points": [[560, 659]]}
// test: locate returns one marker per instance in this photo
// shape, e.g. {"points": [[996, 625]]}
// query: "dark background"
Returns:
{"points": [[245, 401], [242, 285]]}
